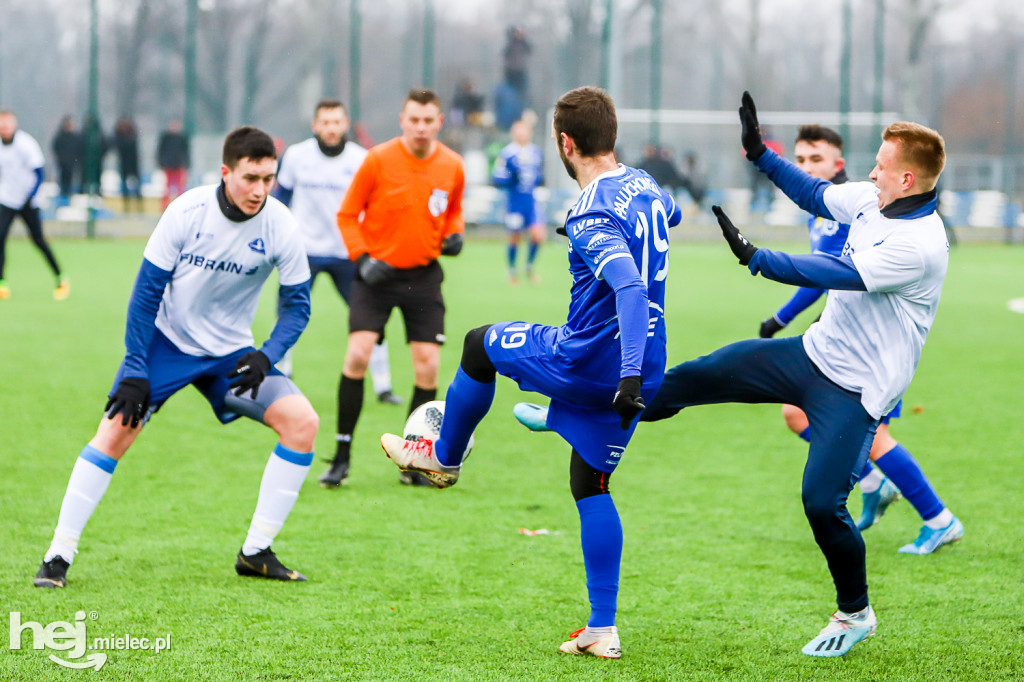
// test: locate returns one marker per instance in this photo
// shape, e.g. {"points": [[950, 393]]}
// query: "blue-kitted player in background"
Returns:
{"points": [[519, 170], [819, 153], [599, 368]]}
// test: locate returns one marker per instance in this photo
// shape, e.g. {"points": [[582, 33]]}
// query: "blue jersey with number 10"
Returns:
{"points": [[621, 214]]}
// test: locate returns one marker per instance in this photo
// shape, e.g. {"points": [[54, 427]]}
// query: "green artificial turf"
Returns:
{"points": [[720, 579]]}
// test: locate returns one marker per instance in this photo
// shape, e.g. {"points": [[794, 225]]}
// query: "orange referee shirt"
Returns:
{"points": [[400, 208]]}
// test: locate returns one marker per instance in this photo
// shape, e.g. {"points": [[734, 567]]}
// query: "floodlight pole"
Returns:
{"points": [[92, 129], [656, 16], [844, 73], [355, 64], [191, 24], [879, 65], [428, 44]]}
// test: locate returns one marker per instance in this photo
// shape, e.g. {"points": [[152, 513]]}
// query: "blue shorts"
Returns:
{"points": [[581, 410], [171, 370], [894, 413], [521, 214]]}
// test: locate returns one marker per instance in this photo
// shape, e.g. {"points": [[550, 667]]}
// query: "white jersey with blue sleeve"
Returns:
{"points": [[318, 183], [218, 268], [621, 214], [19, 162], [871, 342]]}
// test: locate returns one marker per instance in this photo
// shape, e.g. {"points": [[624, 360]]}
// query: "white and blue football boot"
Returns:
{"points": [[532, 416], [930, 539], [876, 503], [841, 633]]}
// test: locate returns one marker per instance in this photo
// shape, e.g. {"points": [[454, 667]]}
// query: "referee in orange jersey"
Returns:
{"points": [[402, 211]]}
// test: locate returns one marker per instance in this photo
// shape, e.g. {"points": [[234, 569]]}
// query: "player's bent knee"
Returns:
{"points": [[295, 421], [113, 439], [584, 480], [475, 361], [795, 418]]}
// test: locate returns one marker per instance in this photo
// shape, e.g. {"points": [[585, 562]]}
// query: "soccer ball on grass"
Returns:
{"points": [[425, 422]]}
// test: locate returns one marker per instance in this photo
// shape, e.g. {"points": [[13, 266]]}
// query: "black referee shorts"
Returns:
{"points": [[416, 292]]}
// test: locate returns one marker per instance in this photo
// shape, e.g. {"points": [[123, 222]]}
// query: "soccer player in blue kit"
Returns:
{"points": [[853, 366], [189, 322], [819, 152], [519, 170], [599, 368]]}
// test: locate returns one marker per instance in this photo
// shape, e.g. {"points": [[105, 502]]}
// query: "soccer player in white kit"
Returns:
{"points": [[312, 181], [853, 366], [21, 174], [189, 322]]}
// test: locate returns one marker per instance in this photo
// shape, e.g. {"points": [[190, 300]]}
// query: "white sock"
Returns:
{"points": [[859, 615], [282, 479], [592, 634], [944, 518], [89, 481], [380, 368], [872, 481]]}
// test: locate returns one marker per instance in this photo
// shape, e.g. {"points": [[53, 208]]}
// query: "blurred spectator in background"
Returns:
{"points": [[467, 105], [126, 142], [173, 158], [69, 149], [508, 106], [658, 163], [96, 147], [693, 178], [514, 57]]}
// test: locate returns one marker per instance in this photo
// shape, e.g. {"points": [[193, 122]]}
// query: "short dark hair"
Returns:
{"points": [[422, 96], [920, 147], [328, 104], [587, 115], [817, 133], [247, 142]]}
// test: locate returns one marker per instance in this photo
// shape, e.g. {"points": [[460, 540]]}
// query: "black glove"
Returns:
{"points": [[751, 135], [130, 400], [770, 328], [627, 401], [250, 370], [373, 271], [743, 249], [452, 244]]}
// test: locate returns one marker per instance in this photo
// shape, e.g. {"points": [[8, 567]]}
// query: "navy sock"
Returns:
{"points": [[466, 403], [806, 434], [531, 255], [512, 248], [901, 467], [601, 538]]}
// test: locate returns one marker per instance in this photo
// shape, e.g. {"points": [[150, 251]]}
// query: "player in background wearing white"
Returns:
{"points": [[189, 322], [819, 153], [21, 174], [853, 366], [312, 181], [519, 170]]}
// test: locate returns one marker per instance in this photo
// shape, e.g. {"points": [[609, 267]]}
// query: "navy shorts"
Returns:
{"points": [[171, 370]]}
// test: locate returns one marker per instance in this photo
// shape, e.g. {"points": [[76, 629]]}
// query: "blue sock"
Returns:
{"points": [[466, 403], [512, 248], [531, 255], [806, 434], [866, 470], [601, 537], [901, 467]]}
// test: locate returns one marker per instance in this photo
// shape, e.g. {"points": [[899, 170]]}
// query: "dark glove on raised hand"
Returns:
{"points": [[250, 370], [130, 400], [452, 244], [743, 249], [373, 271], [751, 134], [627, 401], [770, 328]]}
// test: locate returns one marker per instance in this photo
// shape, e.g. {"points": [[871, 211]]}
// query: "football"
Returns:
{"points": [[425, 422]]}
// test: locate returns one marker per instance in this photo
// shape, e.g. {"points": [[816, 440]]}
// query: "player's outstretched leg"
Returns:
{"points": [[282, 478], [468, 399], [86, 487], [601, 539]]}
